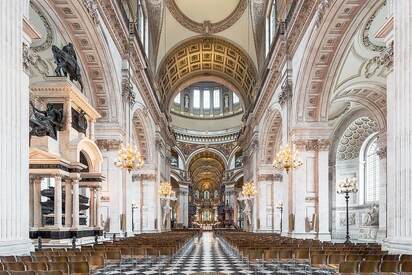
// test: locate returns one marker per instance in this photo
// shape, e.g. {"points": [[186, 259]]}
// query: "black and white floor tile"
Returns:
{"points": [[205, 255]]}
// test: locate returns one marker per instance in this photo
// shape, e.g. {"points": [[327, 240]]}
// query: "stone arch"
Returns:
{"points": [[212, 56], [92, 153], [142, 129], [272, 135], [100, 80], [331, 38], [201, 150]]}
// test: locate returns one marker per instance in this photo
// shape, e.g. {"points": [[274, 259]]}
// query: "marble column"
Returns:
{"points": [[399, 145], [98, 213], [68, 203], [37, 222], [14, 129], [92, 208], [58, 201], [75, 186], [183, 206], [382, 186]]}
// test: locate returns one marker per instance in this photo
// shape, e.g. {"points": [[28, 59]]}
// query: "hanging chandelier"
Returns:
{"points": [[249, 190], [129, 158], [287, 159], [165, 190]]}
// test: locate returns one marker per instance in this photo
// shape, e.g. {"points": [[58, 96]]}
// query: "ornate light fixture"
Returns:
{"points": [[287, 159], [129, 158], [165, 190], [349, 185], [249, 190]]}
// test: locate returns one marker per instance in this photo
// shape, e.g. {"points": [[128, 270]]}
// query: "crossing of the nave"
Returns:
{"points": [[195, 137]]}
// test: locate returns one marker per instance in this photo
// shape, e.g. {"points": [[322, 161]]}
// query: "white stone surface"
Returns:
{"points": [[14, 129]]}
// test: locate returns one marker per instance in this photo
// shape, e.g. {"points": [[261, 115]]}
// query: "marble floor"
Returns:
{"points": [[206, 255]]}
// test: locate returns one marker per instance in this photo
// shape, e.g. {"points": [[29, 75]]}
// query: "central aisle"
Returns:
{"points": [[207, 255]]}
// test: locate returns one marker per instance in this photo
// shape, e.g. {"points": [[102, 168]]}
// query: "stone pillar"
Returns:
{"points": [[14, 129], [322, 190], [75, 186], [91, 208], [183, 205], [58, 201], [68, 203], [98, 218], [399, 145], [37, 222], [382, 186]]}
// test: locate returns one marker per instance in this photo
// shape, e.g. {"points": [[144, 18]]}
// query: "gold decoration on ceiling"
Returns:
{"points": [[207, 56]]}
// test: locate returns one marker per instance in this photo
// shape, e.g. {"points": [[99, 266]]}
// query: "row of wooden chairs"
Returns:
{"points": [[372, 267], [6, 272], [65, 268]]}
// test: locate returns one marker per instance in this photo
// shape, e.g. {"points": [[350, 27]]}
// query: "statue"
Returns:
{"points": [[186, 102], [372, 217], [48, 122], [66, 61]]}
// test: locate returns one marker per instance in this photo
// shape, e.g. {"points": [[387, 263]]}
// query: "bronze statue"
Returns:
{"points": [[66, 61], [46, 123]]}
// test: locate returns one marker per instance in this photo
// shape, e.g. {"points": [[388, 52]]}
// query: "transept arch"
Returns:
{"points": [[211, 56], [272, 135], [143, 130], [92, 153]]}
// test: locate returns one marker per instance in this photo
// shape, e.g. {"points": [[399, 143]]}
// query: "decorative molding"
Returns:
{"points": [[382, 152], [49, 33], [91, 7], [323, 6], [108, 144], [386, 57], [366, 33], [206, 27], [286, 92]]}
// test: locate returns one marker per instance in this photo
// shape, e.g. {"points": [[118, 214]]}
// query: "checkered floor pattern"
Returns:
{"points": [[206, 255]]}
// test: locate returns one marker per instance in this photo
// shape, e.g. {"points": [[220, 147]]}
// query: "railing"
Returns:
{"points": [[203, 137]]}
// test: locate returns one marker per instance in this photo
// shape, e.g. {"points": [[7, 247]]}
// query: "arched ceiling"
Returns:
{"points": [[206, 170], [207, 56]]}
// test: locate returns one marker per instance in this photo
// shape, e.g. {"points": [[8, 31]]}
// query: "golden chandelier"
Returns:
{"points": [[287, 159], [249, 190], [165, 190], [129, 158]]}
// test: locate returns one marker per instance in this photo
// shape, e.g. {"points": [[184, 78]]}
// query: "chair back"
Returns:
{"points": [[406, 266], [36, 266], [79, 268], [348, 267], [369, 266], [390, 266], [15, 266]]}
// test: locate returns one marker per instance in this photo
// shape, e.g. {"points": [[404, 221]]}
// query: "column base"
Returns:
{"points": [[16, 247], [397, 246], [325, 237]]}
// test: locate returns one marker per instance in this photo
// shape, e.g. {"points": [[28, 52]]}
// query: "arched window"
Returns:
{"points": [[371, 170]]}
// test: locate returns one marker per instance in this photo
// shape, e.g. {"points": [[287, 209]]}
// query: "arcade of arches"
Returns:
{"points": [[209, 92]]}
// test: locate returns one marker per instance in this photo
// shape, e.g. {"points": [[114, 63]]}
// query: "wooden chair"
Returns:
{"points": [[285, 254], [373, 258], [302, 254], [390, 266], [4, 272], [53, 272], [354, 257], [369, 266], [79, 268], [113, 256], [390, 258], [25, 259], [270, 255], [95, 262], [58, 266], [77, 258], [319, 260], [348, 267], [406, 266], [36, 266], [22, 272], [63, 259], [41, 259], [405, 258], [335, 260], [15, 266], [7, 259]]}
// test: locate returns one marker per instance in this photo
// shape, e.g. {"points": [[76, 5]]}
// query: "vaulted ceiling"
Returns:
{"points": [[206, 170]]}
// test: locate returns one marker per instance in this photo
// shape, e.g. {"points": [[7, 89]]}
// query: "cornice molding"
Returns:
{"points": [[206, 27]]}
